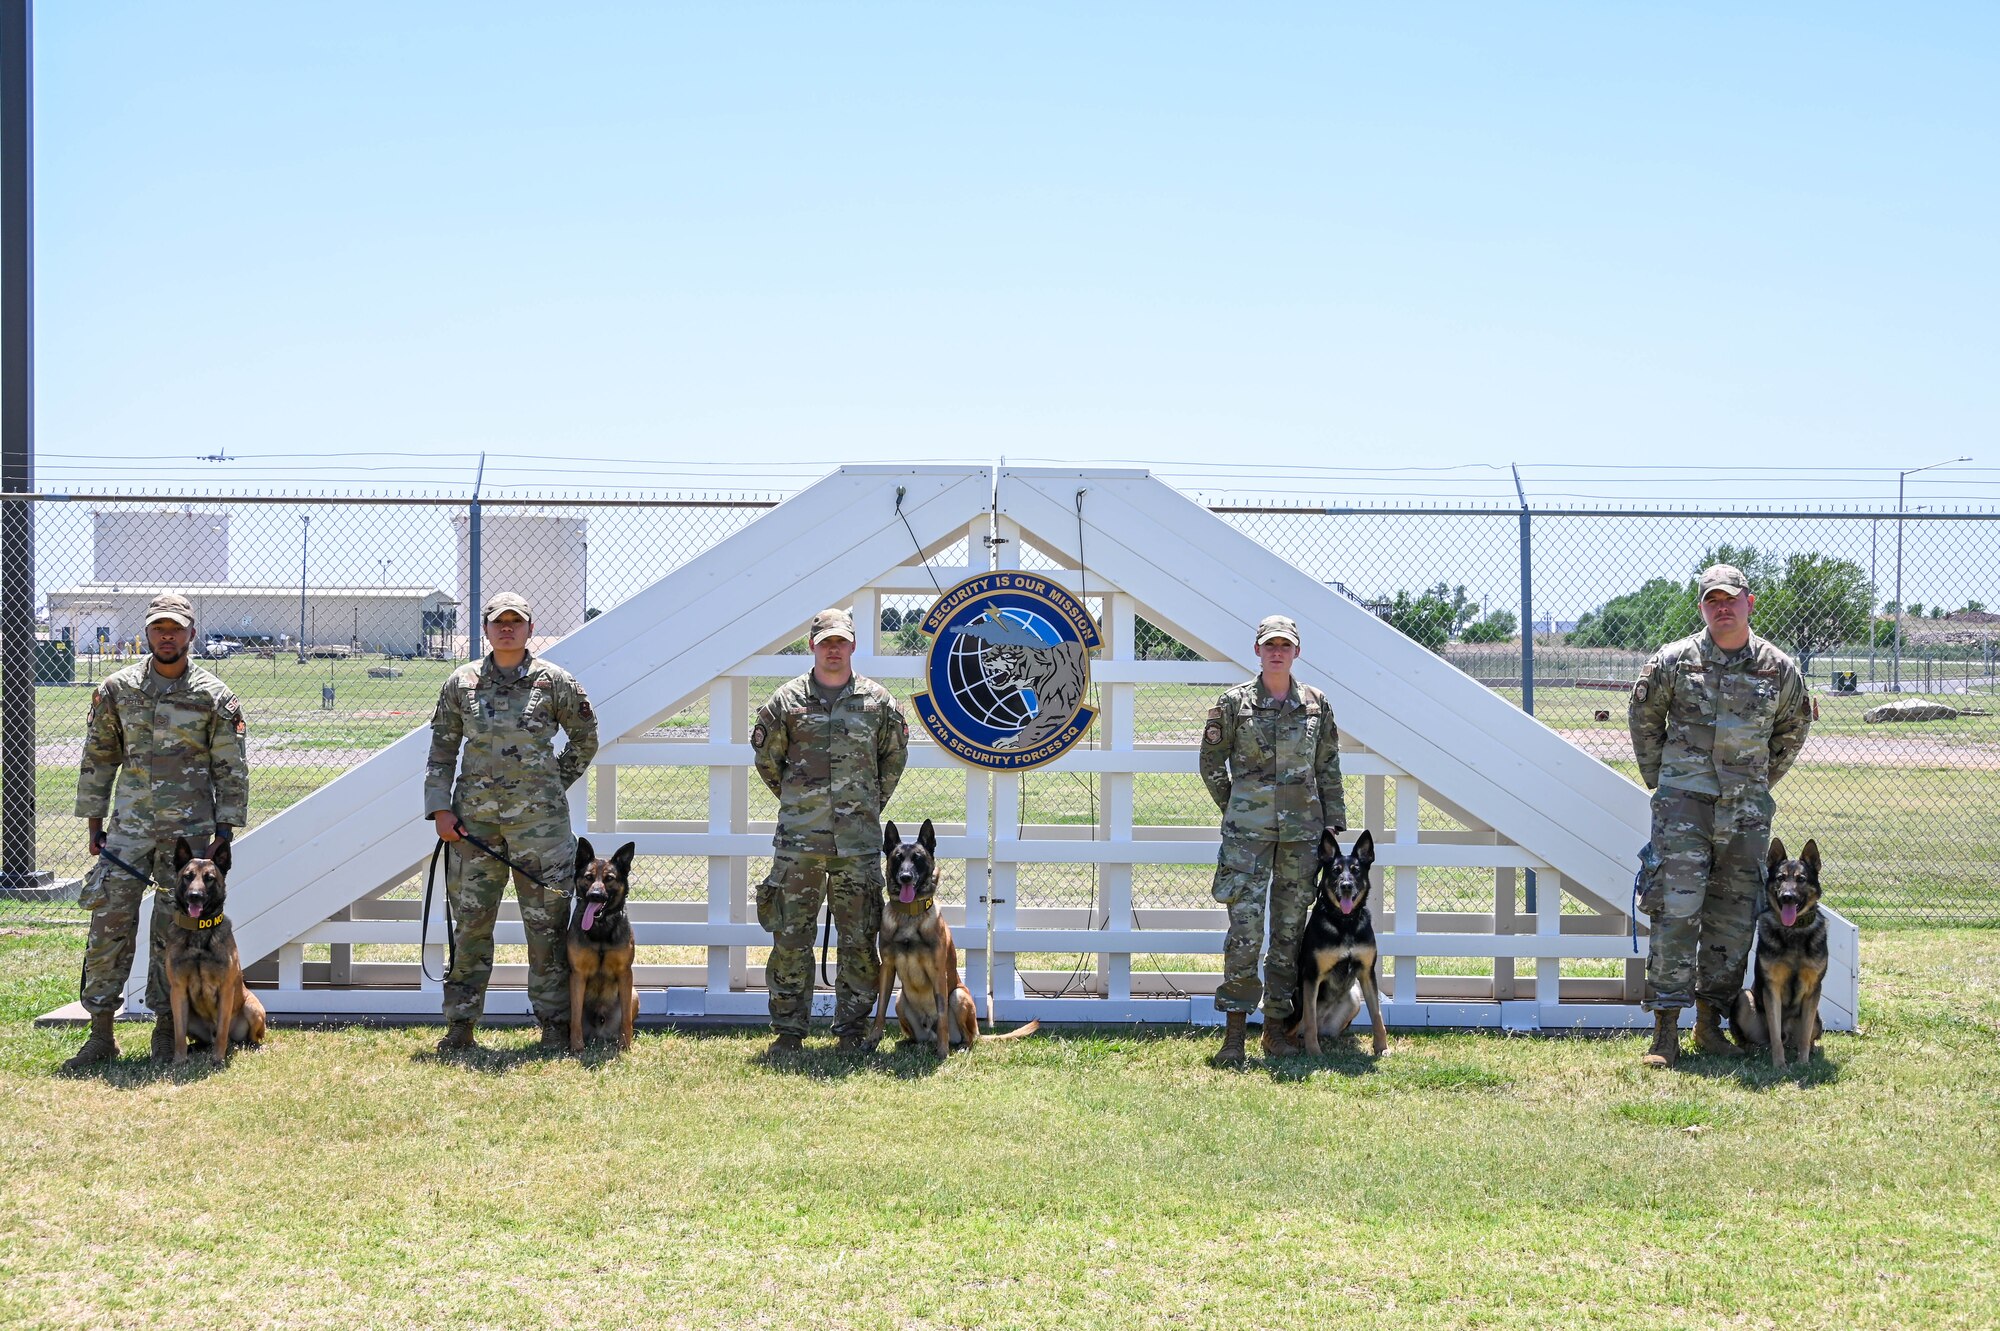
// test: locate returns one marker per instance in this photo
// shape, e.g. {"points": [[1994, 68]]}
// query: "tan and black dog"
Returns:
{"points": [[936, 1007], [1783, 1004], [603, 1001], [1337, 951], [206, 995]]}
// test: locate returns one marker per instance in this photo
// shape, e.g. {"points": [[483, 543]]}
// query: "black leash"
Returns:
{"points": [[823, 940], [450, 929], [105, 853], [450, 926], [1649, 868], [487, 850]]}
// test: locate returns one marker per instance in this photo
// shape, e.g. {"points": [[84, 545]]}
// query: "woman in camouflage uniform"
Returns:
{"points": [[505, 711], [1270, 757]]}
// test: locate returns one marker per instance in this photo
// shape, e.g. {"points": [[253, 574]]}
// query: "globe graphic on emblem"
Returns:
{"points": [[1004, 706]]}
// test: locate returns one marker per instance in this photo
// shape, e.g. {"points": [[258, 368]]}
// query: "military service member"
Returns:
{"points": [[1270, 757], [1716, 719], [831, 745], [505, 711], [171, 735]]}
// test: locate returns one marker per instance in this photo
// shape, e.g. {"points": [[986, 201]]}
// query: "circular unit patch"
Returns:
{"points": [[1008, 672]]}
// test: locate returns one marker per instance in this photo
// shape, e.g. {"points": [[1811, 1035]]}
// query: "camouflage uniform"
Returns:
{"points": [[833, 768], [511, 795], [175, 748], [1713, 732], [1273, 769]]}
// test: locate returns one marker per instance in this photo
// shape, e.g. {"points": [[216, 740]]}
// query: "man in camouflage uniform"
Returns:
{"points": [[831, 745], [505, 711], [171, 735], [1270, 757], [1716, 720]]}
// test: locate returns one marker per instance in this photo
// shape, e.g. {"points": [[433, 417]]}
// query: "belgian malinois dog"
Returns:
{"points": [[1783, 1003], [210, 1003], [1337, 950], [602, 998], [936, 1007]]}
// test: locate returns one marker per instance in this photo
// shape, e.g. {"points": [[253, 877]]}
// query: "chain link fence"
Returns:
{"points": [[336, 619], [1900, 779]]}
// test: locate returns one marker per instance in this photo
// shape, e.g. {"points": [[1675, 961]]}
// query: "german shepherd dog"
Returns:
{"points": [[210, 1003], [1791, 960], [936, 1007], [1337, 950], [602, 998]]}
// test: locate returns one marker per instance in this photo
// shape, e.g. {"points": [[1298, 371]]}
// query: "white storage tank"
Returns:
{"points": [[542, 556], [163, 547]]}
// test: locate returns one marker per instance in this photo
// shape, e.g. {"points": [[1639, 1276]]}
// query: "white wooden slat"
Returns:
{"points": [[1387, 854], [929, 757]]}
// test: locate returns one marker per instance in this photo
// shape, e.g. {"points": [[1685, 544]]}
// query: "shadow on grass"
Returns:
{"points": [[1348, 1057], [491, 1059], [139, 1072], [1754, 1072]]}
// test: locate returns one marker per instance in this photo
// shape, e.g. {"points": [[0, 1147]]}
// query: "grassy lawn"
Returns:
{"points": [[346, 1178]]}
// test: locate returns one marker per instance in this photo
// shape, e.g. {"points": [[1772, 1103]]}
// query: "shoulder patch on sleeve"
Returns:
{"points": [[1639, 691], [757, 736]]}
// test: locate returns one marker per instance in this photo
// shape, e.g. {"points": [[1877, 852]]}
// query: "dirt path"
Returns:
{"points": [[1847, 750]]}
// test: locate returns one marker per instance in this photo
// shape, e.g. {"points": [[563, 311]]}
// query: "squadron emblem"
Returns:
{"points": [[1008, 670]]}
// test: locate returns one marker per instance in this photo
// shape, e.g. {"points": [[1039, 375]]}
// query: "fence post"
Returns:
{"points": [[475, 625], [17, 450], [1527, 641]]}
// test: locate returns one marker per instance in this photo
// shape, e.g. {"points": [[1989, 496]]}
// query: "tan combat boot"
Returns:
{"points": [[1666, 1047], [101, 1047], [1708, 1036], [555, 1036], [1231, 1053], [457, 1038], [785, 1044], [163, 1037], [1275, 1042], [848, 1044]]}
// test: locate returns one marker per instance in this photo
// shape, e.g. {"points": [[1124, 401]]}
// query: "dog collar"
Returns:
{"points": [[917, 907], [188, 922]]}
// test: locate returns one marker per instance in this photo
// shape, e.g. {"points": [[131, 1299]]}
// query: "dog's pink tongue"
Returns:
{"points": [[1788, 914], [590, 913], [908, 894]]}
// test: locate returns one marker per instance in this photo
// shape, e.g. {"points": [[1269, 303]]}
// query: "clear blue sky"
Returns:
{"points": [[738, 244]]}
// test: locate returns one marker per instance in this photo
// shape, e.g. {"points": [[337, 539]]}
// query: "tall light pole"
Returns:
{"points": [[1896, 646], [305, 536]]}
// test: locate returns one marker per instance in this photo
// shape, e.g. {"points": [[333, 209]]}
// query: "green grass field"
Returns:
{"points": [[346, 1178]]}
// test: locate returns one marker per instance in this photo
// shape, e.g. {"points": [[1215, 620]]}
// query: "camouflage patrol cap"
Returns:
{"points": [[1724, 577], [830, 623], [500, 603], [1278, 628], [171, 605]]}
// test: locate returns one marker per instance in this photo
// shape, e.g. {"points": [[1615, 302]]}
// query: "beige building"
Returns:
{"points": [[399, 621]]}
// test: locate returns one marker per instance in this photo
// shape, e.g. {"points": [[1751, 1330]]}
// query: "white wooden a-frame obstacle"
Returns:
{"points": [[1454, 782]]}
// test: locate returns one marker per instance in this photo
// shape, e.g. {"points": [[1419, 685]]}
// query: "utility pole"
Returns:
{"points": [[18, 869]]}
